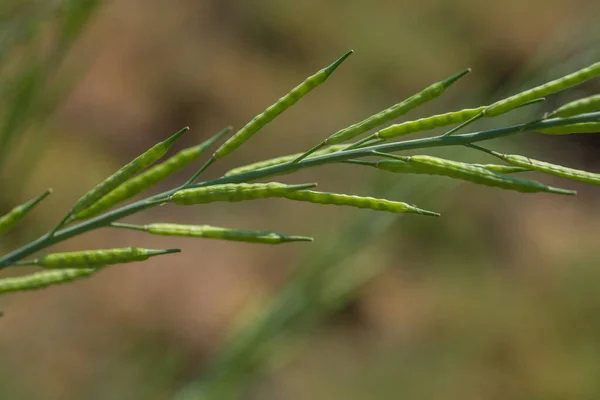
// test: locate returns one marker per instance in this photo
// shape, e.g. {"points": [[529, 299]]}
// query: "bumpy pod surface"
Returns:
{"points": [[136, 165], [278, 108], [581, 106], [281, 160], [43, 279], [429, 93], [425, 124], [96, 258], [582, 127], [215, 232], [12, 218], [550, 169], [512, 102], [147, 179], [404, 167], [234, 192], [438, 166], [371, 203]]}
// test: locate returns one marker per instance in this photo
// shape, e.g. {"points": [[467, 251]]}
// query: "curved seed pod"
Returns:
{"points": [[404, 167], [43, 279], [281, 160], [12, 218], [425, 124], [581, 106], [503, 169], [583, 127], [567, 81], [427, 94], [234, 192], [550, 169], [372, 203], [278, 108], [126, 172], [148, 178], [96, 258], [215, 232], [468, 172]]}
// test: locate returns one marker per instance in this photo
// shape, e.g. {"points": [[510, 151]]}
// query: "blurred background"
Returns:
{"points": [[497, 299]]}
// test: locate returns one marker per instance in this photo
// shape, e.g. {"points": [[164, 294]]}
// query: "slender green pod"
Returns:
{"points": [[583, 127], [96, 258], [150, 177], [548, 168], [281, 160], [40, 280], [567, 81], [580, 106], [404, 167], [234, 192], [215, 232], [425, 124], [429, 165], [12, 218], [136, 165], [429, 93], [278, 108], [371, 203]]}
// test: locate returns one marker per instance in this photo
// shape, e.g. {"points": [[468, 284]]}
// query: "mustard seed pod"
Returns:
{"points": [[12, 218], [399, 166], [278, 108], [234, 192], [557, 85], [580, 106], [43, 279], [582, 127], [371, 203], [96, 258], [139, 163], [215, 232], [149, 178]]}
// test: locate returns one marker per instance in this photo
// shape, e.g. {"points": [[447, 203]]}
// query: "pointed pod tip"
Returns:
{"points": [[303, 186], [298, 239], [426, 212], [562, 191], [447, 82], [329, 70], [170, 251]]}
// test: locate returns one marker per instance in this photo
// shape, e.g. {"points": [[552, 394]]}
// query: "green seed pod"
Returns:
{"points": [[281, 160], [583, 127], [148, 178], [43, 279], [234, 192], [215, 232], [468, 172], [96, 258], [356, 201], [581, 106], [12, 218], [425, 124], [567, 81], [278, 108], [550, 169], [126, 172], [404, 167], [502, 169], [427, 94]]}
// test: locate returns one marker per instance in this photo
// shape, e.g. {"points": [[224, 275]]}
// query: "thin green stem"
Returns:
{"points": [[103, 220]]}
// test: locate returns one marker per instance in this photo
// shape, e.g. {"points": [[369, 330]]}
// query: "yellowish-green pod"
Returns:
{"points": [[281, 160], [582, 127], [429, 93], [12, 218], [425, 124], [404, 167], [96, 258], [468, 172], [371, 203], [581, 106], [43, 279], [234, 192], [215, 232], [136, 165], [567, 81], [150, 177], [278, 108], [550, 169]]}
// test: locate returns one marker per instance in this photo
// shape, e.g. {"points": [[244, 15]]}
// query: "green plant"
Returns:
{"points": [[235, 186]]}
